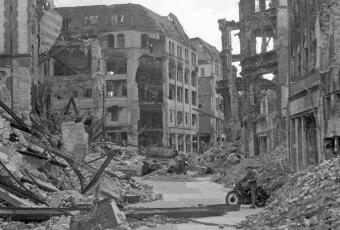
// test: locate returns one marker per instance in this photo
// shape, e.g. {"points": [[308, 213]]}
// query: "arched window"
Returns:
{"points": [[111, 40], [120, 41], [116, 65], [144, 41]]}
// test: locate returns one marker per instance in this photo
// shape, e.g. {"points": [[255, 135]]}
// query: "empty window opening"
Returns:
{"points": [[194, 78], [186, 96], [88, 93], [262, 5], [120, 41], [194, 98], [111, 41], [172, 116], [66, 23], [264, 44], [186, 76], [179, 94], [179, 117], [116, 65], [194, 119], [186, 53], [187, 118], [172, 69], [114, 113], [179, 73], [172, 92], [144, 41]]}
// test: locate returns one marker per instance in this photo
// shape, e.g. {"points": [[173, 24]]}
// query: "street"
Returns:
{"points": [[186, 194]]}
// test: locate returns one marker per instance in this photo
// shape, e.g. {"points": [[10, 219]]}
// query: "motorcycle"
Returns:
{"points": [[241, 195]]}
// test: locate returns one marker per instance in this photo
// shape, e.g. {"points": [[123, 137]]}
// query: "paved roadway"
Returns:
{"points": [[186, 194]]}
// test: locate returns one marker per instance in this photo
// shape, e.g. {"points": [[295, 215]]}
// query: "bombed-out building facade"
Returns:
{"points": [[288, 84], [133, 67], [254, 99]]}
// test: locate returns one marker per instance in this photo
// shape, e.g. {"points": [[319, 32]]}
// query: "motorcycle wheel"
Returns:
{"points": [[233, 198]]}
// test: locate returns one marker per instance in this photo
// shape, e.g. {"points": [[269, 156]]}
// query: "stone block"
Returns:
{"points": [[108, 189], [83, 222], [108, 215]]}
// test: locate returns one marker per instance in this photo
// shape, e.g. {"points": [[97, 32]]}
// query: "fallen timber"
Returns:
{"points": [[178, 212], [39, 214]]}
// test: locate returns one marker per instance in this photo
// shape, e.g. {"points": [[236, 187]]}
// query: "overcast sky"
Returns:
{"points": [[198, 17]]}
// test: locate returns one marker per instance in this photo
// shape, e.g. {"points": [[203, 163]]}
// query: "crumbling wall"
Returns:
{"points": [[21, 41], [78, 73], [260, 25], [231, 97]]}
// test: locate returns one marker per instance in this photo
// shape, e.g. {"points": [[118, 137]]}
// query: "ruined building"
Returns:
{"points": [[314, 81], [254, 99], [28, 30], [143, 75], [211, 118]]}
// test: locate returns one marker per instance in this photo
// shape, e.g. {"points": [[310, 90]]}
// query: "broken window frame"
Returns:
{"points": [[120, 40]]}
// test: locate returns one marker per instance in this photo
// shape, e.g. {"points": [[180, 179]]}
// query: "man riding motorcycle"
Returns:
{"points": [[251, 179]]}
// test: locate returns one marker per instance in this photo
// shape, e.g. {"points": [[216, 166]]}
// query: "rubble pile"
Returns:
{"points": [[309, 200], [126, 163], [220, 156], [39, 172], [272, 169]]}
